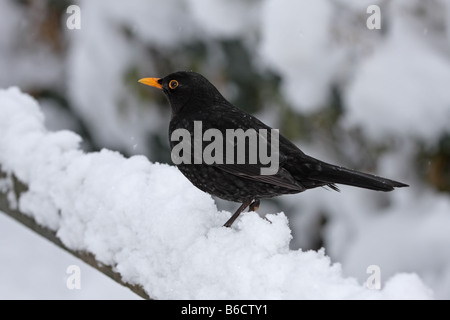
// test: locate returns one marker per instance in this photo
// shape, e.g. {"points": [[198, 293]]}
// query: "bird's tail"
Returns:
{"points": [[332, 174]]}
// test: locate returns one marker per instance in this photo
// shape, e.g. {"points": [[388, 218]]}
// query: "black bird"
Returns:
{"points": [[193, 98]]}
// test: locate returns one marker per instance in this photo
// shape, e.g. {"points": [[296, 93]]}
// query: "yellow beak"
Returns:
{"points": [[152, 82]]}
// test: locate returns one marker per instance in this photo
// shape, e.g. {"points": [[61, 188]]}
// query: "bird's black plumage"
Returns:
{"points": [[193, 98]]}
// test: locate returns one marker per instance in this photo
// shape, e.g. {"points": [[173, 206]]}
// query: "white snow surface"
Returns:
{"points": [[158, 230]]}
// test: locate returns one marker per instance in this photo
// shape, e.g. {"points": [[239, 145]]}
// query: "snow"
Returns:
{"points": [[297, 43], [405, 283], [24, 61], [398, 80], [395, 98], [410, 241], [226, 18], [158, 230], [393, 84], [99, 56]]}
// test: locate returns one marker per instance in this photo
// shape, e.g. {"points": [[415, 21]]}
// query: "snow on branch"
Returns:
{"points": [[147, 227], [16, 189]]}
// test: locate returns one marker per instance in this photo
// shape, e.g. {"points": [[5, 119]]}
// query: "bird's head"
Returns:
{"points": [[185, 89]]}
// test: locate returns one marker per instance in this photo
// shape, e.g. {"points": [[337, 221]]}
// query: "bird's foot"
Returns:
{"points": [[265, 218], [238, 212], [254, 206]]}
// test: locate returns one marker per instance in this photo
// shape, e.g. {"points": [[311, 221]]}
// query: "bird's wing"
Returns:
{"points": [[238, 119], [253, 172], [281, 178]]}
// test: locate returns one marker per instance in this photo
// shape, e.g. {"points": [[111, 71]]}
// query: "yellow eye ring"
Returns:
{"points": [[173, 84]]}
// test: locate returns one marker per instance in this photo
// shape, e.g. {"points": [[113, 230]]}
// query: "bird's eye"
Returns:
{"points": [[173, 84]]}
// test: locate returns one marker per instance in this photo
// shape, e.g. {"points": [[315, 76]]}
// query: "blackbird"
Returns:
{"points": [[195, 101]]}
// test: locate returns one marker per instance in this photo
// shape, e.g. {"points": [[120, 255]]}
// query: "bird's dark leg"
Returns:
{"points": [[238, 212]]}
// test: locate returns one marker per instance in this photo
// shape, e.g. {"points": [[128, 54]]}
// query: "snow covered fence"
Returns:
{"points": [[156, 230]]}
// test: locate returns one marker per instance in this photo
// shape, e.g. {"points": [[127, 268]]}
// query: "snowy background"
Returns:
{"points": [[374, 100]]}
